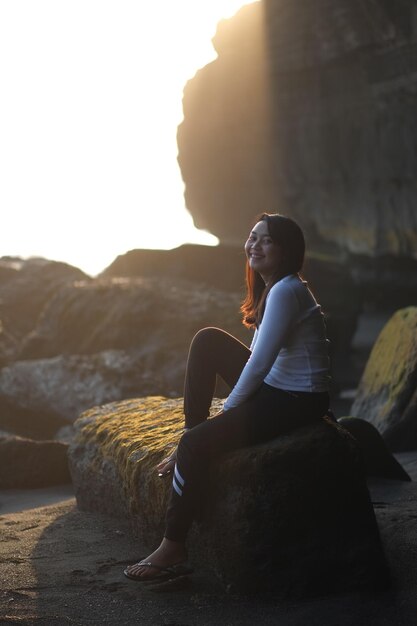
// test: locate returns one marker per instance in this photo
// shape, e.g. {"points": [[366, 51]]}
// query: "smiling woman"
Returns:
{"points": [[91, 102]]}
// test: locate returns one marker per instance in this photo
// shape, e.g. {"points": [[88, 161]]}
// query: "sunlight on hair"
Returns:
{"points": [[92, 97]]}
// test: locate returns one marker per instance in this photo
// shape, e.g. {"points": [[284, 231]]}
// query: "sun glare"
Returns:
{"points": [[92, 97]]}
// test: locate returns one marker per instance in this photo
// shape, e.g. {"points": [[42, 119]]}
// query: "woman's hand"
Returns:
{"points": [[166, 466]]}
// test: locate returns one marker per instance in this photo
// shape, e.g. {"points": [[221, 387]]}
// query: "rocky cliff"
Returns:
{"points": [[309, 109]]}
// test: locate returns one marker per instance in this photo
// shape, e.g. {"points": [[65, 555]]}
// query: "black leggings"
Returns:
{"points": [[268, 413]]}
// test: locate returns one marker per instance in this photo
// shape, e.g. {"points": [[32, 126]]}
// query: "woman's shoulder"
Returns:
{"points": [[289, 283], [286, 290], [292, 290]]}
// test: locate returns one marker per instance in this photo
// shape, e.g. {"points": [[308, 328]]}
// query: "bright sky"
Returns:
{"points": [[91, 97]]}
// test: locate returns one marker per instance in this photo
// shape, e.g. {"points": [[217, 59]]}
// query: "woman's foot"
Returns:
{"points": [[167, 465], [169, 554]]}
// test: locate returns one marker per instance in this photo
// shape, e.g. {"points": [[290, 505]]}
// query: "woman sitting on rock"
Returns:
{"points": [[279, 384]]}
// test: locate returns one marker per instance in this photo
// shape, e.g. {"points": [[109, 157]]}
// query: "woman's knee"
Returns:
{"points": [[207, 334], [206, 338]]}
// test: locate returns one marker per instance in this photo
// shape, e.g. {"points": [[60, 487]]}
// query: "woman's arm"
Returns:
{"points": [[281, 312]]}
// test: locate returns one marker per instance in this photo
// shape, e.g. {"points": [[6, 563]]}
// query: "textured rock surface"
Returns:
{"points": [[100, 341], [114, 454], [8, 345], [293, 515], [222, 267], [387, 393], [25, 288], [154, 315], [27, 464], [38, 397], [308, 109]]}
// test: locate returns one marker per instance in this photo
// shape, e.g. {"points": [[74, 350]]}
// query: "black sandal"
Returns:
{"points": [[164, 573]]}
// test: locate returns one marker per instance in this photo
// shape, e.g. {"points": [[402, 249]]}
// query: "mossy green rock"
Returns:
{"points": [[293, 515], [113, 459], [387, 393]]}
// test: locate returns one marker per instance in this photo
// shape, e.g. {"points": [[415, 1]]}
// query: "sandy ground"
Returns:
{"points": [[16, 500], [60, 566]]}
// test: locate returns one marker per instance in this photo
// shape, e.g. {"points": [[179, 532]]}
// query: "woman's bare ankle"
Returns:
{"points": [[174, 549]]}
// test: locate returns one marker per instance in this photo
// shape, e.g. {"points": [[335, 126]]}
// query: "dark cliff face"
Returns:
{"points": [[309, 109]]}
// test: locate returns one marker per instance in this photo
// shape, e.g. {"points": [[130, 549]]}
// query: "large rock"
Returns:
{"points": [[309, 109], [25, 288], [387, 393], [156, 315], [102, 340], [293, 515], [221, 267], [378, 461], [39, 397], [27, 464]]}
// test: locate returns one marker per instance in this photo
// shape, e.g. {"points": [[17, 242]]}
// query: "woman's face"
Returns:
{"points": [[263, 254]]}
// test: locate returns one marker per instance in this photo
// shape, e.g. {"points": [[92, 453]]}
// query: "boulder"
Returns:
{"points": [[28, 464], [293, 516], [25, 288], [38, 397], [157, 315], [387, 392], [205, 265], [378, 460], [103, 340]]}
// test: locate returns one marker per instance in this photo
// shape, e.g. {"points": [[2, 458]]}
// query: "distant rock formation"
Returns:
{"points": [[129, 313], [221, 267], [292, 516], [25, 288], [309, 109], [97, 341]]}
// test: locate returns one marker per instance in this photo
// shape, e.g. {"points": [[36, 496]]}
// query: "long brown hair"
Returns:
{"points": [[286, 234]]}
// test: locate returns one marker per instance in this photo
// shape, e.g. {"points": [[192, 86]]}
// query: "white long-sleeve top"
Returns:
{"points": [[289, 350]]}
